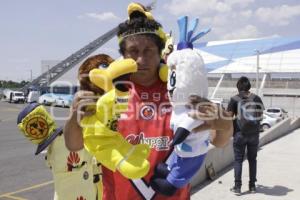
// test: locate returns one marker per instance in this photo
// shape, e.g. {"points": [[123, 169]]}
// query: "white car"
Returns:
{"points": [[47, 99], [267, 122], [276, 112], [64, 101]]}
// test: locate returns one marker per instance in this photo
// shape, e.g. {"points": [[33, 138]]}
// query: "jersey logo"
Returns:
{"points": [[72, 161], [147, 112], [158, 143]]}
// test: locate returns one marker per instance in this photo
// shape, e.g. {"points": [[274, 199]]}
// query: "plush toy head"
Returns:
{"points": [[100, 61], [187, 74], [117, 71], [38, 126]]}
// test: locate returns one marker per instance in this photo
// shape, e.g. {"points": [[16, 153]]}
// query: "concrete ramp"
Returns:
{"points": [[278, 172]]}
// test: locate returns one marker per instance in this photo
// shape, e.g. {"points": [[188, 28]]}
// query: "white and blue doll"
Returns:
{"points": [[186, 76]]}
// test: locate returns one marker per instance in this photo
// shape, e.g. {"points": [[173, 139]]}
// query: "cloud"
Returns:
{"points": [[223, 16], [231, 25], [201, 7], [217, 20], [239, 3], [246, 13], [221, 7], [236, 19], [279, 15], [248, 31], [106, 16]]}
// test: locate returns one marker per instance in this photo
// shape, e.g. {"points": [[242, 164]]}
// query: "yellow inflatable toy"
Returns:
{"points": [[100, 134]]}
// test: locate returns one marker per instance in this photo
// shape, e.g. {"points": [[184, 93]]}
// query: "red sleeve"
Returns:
{"points": [[108, 184]]}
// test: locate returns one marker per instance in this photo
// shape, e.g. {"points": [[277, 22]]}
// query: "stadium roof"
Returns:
{"points": [[276, 55]]}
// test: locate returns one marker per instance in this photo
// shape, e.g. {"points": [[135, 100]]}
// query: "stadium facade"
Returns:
{"points": [[277, 56]]}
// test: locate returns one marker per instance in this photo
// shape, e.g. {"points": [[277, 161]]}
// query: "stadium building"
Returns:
{"points": [[272, 64]]}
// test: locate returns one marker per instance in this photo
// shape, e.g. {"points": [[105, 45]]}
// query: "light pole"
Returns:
{"points": [[257, 70], [30, 75], [48, 75]]}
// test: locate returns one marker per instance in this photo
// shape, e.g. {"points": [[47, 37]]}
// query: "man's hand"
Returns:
{"points": [[84, 104], [214, 117]]}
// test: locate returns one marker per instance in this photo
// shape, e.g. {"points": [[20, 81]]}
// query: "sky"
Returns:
{"points": [[35, 30]]}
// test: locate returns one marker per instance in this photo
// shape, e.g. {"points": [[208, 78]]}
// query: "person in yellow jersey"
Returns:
{"points": [[76, 174]]}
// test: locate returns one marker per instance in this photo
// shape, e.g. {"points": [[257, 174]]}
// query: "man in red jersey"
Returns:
{"points": [[147, 120]]}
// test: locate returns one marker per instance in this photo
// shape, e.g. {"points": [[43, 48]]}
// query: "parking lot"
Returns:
{"points": [[23, 176]]}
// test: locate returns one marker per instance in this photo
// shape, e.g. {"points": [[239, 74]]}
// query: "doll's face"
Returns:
{"points": [[186, 76]]}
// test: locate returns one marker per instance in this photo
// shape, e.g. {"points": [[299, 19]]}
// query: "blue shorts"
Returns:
{"points": [[183, 169]]}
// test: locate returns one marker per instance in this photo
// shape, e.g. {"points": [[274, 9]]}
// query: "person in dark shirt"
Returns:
{"points": [[245, 136]]}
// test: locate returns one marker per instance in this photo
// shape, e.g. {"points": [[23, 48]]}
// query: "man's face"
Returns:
{"points": [[145, 52]]}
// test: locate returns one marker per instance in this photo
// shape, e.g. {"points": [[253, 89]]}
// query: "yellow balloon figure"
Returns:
{"points": [[100, 134]]}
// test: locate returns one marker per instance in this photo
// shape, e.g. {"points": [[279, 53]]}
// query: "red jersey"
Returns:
{"points": [[146, 121]]}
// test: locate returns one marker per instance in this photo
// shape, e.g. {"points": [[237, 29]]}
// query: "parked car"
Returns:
{"points": [[276, 112], [48, 99], [267, 122], [64, 100]]}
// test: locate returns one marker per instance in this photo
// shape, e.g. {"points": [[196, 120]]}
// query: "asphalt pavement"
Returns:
{"points": [[23, 175]]}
